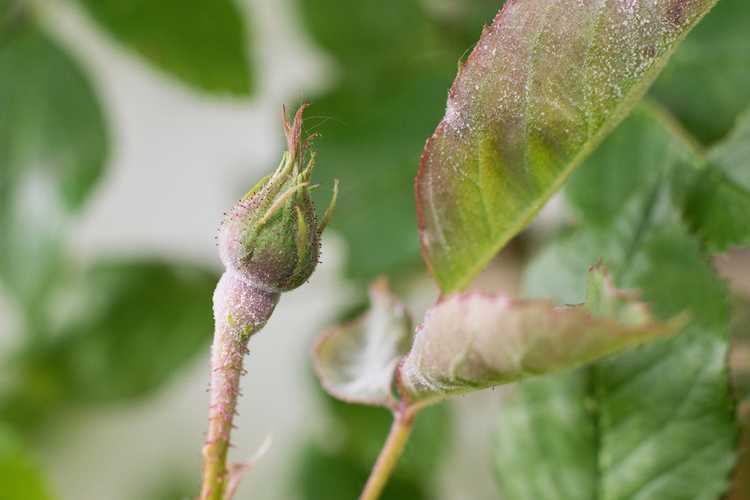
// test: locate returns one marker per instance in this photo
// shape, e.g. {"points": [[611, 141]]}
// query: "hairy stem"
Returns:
{"points": [[240, 310], [403, 422], [227, 354]]}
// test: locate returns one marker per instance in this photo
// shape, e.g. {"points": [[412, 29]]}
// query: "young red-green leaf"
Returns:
{"points": [[356, 362], [472, 341], [544, 84]]}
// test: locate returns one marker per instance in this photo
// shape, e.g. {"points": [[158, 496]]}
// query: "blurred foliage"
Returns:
{"points": [[127, 328], [707, 82], [394, 67], [114, 330], [53, 147], [19, 475], [204, 44], [325, 475], [92, 335], [355, 435]]}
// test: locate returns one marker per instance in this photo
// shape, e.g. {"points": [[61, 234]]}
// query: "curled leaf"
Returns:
{"points": [[356, 362], [473, 341], [544, 84]]}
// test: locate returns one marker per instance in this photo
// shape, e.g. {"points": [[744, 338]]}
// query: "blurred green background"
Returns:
{"points": [[128, 126]]}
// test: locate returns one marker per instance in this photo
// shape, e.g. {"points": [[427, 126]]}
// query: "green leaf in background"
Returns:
{"points": [[389, 93], [717, 210], [126, 328], [711, 189], [20, 478], [546, 82], [324, 475], [599, 195], [366, 35], [204, 44], [138, 322], [355, 436], [718, 200], [662, 415], [546, 440], [373, 151], [707, 81], [53, 147]]}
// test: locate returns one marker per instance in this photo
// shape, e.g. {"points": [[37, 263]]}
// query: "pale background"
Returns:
{"points": [[208, 151]]}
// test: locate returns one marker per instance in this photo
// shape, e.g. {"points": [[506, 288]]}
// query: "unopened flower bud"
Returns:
{"points": [[272, 236]]}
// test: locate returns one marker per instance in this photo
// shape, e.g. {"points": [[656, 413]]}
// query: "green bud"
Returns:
{"points": [[272, 236]]}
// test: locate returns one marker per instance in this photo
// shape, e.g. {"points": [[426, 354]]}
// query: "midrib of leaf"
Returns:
{"points": [[528, 88]]}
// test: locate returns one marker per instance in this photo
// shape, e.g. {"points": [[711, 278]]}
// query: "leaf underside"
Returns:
{"points": [[356, 362], [544, 84]]}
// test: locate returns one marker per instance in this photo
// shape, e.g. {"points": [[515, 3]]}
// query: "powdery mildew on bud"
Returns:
{"points": [[269, 243], [240, 307], [271, 237]]}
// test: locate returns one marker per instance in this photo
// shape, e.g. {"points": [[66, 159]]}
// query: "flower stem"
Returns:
{"points": [[227, 354], [403, 421]]}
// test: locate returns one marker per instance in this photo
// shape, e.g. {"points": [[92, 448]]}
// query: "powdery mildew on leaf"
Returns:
{"points": [[473, 341], [356, 362], [545, 83]]}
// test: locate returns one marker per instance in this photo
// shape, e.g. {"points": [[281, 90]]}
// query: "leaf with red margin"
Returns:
{"points": [[543, 86], [473, 341]]}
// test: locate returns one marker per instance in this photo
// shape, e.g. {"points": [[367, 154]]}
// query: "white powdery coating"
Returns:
{"points": [[240, 306], [356, 362], [545, 83], [473, 341]]}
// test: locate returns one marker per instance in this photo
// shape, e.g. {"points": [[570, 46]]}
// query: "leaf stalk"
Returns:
{"points": [[403, 422]]}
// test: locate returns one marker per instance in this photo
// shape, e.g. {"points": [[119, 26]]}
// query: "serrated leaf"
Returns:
{"points": [[356, 362], [544, 84], [53, 147], [718, 198], [546, 440], [472, 341], [707, 82], [717, 210], [601, 188], [204, 44], [662, 416], [662, 419], [20, 477]]}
